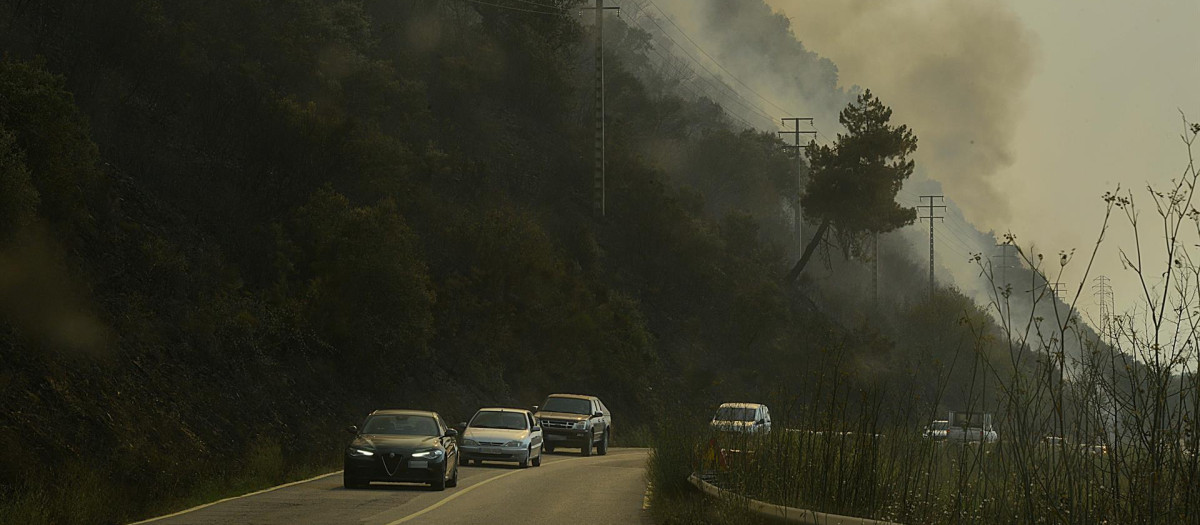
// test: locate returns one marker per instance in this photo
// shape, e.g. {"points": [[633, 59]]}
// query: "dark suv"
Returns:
{"points": [[570, 420]]}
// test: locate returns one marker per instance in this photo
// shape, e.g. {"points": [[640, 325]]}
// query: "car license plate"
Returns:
{"points": [[418, 464], [492, 450], [556, 437]]}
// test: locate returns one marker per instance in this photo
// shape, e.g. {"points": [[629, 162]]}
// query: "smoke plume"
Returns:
{"points": [[954, 70]]}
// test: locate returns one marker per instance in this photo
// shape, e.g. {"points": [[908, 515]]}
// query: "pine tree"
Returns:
{"points": [[852, 185]]}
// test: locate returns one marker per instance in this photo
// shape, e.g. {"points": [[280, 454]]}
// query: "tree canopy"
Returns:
{"points": [[852, 184]]}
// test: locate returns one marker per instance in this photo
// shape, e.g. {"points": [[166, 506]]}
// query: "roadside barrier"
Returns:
{"points": [[780, 512]]}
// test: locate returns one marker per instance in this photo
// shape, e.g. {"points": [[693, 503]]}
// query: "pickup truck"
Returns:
{"points": [[572, 420]]}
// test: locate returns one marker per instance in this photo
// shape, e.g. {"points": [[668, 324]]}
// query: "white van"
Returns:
{"points": [[748, 418]]}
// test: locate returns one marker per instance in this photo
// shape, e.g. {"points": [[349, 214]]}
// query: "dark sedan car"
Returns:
{"points": [[402, 446]]}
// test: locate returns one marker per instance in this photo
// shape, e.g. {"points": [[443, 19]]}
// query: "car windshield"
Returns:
{"points": [[401, 425], [734, 414], [941, 425], [499, 419], [569, 405]]}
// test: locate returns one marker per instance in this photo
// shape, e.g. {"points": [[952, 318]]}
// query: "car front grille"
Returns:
{"points": [[492, 443], [557, 423]]}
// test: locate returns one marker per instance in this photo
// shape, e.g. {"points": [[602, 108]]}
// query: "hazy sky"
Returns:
{"points": [[1092, 97], [1103, 109]]}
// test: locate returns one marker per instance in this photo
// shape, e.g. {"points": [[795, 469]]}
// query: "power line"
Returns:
{"points": [[967, 243], [708, 94], [952, 239], [822, 135], [548, 6], [511, 8], [736, 96], [715, 61], [679, 66], [955, 250]]}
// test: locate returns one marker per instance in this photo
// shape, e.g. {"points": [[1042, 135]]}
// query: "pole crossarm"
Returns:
{"points": [[931, 215], [796, 132]]}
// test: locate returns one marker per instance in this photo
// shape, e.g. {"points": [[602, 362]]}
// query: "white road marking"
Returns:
{"points": [[458, 493], [263, 491]]}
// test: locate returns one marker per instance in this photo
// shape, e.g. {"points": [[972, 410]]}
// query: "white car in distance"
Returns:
{"points": [[742, 418], [502, 434], [937, 431]]}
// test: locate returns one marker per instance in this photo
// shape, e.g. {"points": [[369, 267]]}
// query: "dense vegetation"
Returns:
{"points": [[232, 228]]}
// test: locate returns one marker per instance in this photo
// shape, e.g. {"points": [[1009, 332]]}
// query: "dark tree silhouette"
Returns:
{"points": [[852, 187]]}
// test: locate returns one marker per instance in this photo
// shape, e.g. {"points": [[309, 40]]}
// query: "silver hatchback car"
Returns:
{"points": [[502, 434]]}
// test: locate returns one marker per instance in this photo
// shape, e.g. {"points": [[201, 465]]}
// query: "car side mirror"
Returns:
{"points": [[598, 414], [536, 429], [352, 429], [463, 424], [450, 432], [536, 408]]}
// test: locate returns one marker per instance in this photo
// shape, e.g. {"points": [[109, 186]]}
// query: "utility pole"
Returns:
{"points": [[796, 147], [1058, 288], [598, 176], [930, 217], [1005, 262], [875, 274], [1104, 297]]}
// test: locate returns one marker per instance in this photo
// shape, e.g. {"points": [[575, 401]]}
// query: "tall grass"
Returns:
{"points": [[82, 495], [1096, 426]]}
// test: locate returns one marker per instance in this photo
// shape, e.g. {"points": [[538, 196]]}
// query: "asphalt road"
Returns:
{"points": [[567, 488]]}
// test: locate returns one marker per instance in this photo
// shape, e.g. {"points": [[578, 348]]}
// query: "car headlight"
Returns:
{"points": [[514, 444], [470, 442], [581, 424], [355, 451], [436, 453]]}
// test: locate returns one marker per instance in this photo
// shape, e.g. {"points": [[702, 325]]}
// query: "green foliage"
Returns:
{"points": [[364, 282], [18, 198], [853, 184], [41, 128], [299, 212]]}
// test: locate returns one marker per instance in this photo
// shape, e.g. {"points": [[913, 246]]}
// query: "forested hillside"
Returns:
{"points": [[232, 228]]}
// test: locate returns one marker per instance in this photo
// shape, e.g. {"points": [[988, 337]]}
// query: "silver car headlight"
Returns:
{"points": [[470, 443], [514, 444], [581, 424], [355, 451], [429, 454]]}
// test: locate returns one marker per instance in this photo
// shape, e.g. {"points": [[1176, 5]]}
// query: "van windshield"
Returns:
{"points": [[734, 414]]}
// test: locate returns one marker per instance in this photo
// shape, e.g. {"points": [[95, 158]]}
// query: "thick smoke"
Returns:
{"points": [[753, 42], [954, 70]]}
